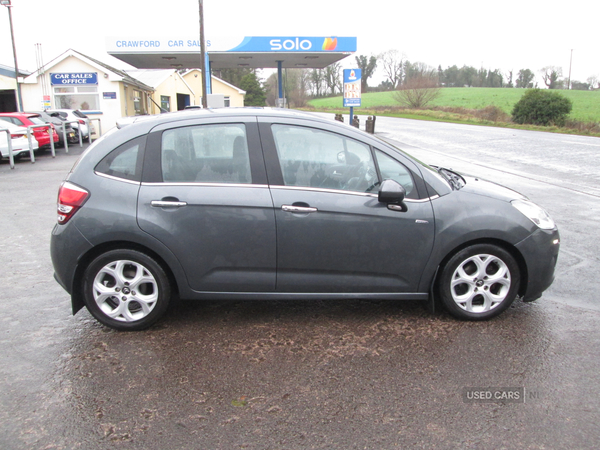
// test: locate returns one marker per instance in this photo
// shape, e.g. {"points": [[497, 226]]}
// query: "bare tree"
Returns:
{"points": [[332, 75], [393, 66], [418, 91], [296, 87], [551, 76], [316, 78]]}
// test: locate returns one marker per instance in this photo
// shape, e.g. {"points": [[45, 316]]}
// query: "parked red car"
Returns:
{"points": [[42, 135]]}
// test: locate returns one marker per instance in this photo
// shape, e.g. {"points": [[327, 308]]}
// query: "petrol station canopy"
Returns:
{"points": [[257, 52]]}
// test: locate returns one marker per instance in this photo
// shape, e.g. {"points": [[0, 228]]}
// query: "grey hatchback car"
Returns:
{"points": [[277, 204]]}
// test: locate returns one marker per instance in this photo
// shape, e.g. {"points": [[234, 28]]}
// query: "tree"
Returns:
{"points": [[542, 107], [594, 82], [525, 78], [451, 77], [385, 85], [367, 66], [255, 94], [551, 76], [509, 83], [234, 76], [580, 86], [393, 66], [332, 74], [418, 91], [419, 70], [296, 87], [316, 80]]}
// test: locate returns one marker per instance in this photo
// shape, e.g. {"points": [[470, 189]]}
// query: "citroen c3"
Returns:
{"points": [[256, 203]]}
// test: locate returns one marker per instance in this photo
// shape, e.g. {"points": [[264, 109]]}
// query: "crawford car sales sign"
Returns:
{"points": [[70, 78]]}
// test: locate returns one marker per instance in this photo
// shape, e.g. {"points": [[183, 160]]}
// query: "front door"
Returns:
{"points": [[333, 235]]}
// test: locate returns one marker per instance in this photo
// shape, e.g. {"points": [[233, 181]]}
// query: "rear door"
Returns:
{"points": [[205, 196]]}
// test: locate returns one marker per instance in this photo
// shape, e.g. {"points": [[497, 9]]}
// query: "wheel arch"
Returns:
{"points": [[77, 295], [515, 253]]}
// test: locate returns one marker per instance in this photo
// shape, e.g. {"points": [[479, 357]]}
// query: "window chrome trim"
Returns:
{"points": [[341, 191], [112, 177], [332, 191], [203, 184], [420, 200], [264, 186]]}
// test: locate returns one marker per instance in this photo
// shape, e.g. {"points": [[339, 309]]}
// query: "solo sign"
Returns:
{"points": [[352, 87], [71, 78]]}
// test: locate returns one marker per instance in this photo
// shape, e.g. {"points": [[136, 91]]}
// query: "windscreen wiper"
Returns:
{"points": [[455, 179]]}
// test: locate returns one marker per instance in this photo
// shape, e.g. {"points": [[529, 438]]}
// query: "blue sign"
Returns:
{"points": [[72, 78], [352, 87]]}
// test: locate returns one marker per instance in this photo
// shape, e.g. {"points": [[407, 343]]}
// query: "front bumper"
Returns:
{"points": [[540, 252]]}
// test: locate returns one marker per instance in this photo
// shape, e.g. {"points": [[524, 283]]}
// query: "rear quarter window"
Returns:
{"points": [[125, 161]]}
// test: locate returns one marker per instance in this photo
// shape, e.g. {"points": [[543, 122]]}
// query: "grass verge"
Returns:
{"points": [[488, 116]]}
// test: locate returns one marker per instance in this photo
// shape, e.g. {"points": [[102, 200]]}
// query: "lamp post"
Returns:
{"points": [[12, 36]]}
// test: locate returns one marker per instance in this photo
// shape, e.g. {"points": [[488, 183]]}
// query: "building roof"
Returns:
{"points": [[8, 71], [114, 73]]}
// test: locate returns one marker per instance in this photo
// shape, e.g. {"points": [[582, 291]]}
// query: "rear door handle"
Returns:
{"points": [[298, 209]]}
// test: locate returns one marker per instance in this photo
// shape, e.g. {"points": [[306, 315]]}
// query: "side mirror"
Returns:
{"points": [[392, 193]]}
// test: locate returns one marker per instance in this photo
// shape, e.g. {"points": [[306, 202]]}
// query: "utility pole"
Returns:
{"points": [[570, 64], [203, 55], [12, 36]]}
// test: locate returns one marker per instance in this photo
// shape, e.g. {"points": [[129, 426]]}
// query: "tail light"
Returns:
{"points": [[82, 122], [70, 199], [18, 135]]}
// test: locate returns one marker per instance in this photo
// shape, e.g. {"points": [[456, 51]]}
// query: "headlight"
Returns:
{"points": [[534, 213]]}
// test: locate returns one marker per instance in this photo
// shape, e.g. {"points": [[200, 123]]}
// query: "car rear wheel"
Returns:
{"points": [[479, 282], [126, 290]]}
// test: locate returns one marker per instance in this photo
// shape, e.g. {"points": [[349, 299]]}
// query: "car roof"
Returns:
{"points": [[158, 119], [10, 125], [19, 114]]}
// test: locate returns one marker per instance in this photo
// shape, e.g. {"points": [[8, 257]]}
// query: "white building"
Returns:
{"points": [[105, 94]]}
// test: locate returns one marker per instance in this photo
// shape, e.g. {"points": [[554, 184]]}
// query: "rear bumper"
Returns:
{"points": [[66, 250], [540, 252]]}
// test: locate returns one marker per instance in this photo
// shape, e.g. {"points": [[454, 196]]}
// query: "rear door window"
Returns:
{"points": [[215, 153]]}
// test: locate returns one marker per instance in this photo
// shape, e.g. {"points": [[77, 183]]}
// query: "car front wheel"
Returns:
{"points": [[126, 290], [479, 282]]}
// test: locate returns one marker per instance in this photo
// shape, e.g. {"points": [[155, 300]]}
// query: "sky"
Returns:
{"points": [[507, 35]]}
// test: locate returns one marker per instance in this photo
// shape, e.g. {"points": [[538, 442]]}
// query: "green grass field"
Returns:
{"points": [[586, 104]]}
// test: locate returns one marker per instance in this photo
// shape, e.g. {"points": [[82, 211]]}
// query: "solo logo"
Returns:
{"points": [[289, 44]]}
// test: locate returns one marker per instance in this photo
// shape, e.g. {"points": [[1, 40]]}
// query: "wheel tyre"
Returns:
{"points": [[126, 290], [479, 282]]}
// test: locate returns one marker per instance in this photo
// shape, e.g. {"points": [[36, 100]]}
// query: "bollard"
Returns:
{"points": [[369, 125], [356, 122]]}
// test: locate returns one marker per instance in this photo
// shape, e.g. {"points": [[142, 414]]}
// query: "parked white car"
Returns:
{"points": [[70, 115], [19, 141]]}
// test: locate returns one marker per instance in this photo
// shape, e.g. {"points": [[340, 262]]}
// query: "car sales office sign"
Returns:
{"points": [[72, 78], [352, 89]]}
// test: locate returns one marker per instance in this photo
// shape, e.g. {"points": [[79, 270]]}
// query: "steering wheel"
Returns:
{"points": [[364, 176]]}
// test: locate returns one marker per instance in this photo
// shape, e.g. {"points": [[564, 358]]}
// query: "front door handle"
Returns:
{"points": [[298, 209], [167, 204]]}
